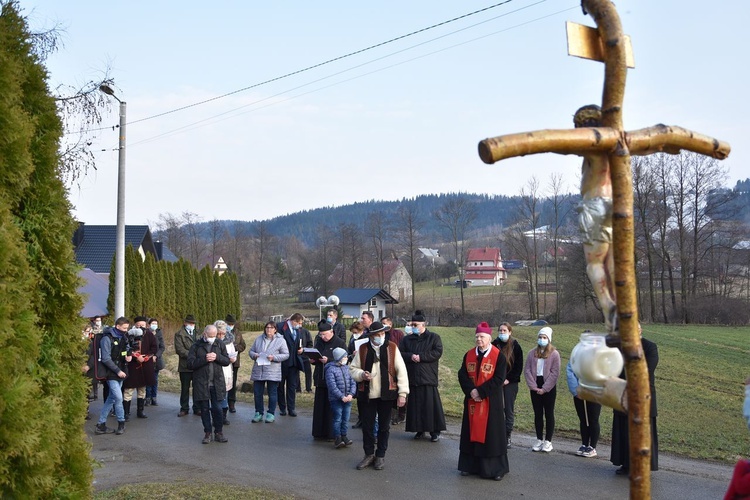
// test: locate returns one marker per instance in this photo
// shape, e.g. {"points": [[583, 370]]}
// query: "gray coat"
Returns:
{"points": [[280, 352]]}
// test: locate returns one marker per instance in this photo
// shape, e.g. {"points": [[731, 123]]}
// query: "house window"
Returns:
{"points": [[373, 302]]}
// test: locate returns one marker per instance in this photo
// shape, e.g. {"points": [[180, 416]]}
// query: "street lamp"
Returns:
{"points": [[323, 302], [120, 240]]}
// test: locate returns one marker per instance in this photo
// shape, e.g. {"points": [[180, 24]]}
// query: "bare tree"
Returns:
{"points": [[456, 216], [561, 206], [527, 219], [376, 229], [172, 233], [215, 232], [194, 233], [408, 238], [262, 252]]}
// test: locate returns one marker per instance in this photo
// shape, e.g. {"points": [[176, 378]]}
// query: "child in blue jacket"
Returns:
{"points": [[341, 392]]}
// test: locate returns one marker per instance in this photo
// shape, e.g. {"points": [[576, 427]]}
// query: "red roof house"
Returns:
{"points": [[484, 267]]}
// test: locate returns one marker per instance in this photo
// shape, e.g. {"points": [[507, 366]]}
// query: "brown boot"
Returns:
{"points": [[366, 462]]}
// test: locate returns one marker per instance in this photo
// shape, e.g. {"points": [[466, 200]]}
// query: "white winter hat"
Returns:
{"points": [[546, 331]]}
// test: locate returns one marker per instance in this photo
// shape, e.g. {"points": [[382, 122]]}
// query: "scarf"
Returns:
{"points": [[480, 370]]}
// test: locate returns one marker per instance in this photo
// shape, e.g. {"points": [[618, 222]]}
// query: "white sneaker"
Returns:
{"points": [[590, 452], [581, 451], [547, 447], [538, 445]]}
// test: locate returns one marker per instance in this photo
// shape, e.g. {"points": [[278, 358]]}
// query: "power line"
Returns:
{"points": [[350, 54], [200, 123]]}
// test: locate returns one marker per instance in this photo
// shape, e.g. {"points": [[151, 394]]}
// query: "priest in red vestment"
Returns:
{"points": [[483, 448]]}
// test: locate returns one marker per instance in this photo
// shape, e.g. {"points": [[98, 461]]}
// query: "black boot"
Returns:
{"points": [[102, 429], [126, 407], [120, 428], [148, 402], [141, 403], [153, 402], [224, 411]]}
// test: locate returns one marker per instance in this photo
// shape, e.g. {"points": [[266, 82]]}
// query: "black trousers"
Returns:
{"points": [[544, 409], [588, 418], [186, 378], [370, 409], [288, 388], [232, 394]]}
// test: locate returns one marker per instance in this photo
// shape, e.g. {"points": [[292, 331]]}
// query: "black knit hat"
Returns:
{"points": [[418, 316], [140, 318], [324, 326]]}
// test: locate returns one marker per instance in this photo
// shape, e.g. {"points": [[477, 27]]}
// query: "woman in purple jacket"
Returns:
{"points": [[541, 371]]}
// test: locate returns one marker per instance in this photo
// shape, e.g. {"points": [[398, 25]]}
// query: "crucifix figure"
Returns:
{"points": [[606, 147]]}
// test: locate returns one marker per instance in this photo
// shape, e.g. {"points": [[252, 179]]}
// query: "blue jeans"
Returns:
{"points": [[214, 405], [341, 413], [152, 389], [259, 387], [113, 399]]}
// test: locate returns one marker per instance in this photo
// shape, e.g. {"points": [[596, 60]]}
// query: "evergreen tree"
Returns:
{"points": [[170, 292], [43, 452], [149, 285]]}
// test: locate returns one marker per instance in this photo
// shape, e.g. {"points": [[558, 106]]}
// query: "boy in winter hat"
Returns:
{"points": [[341, 391]]}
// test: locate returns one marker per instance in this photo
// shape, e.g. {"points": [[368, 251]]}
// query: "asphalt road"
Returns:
{"points": [[284, 457]]}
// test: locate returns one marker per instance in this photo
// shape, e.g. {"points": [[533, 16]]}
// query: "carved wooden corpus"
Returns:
{"points": [[619, 145]]}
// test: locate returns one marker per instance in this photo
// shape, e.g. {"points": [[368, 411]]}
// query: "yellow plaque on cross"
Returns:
{"points": [[584, 41]]}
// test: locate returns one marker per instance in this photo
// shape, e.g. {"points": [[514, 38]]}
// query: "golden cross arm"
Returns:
{"points": [[659, 138]]}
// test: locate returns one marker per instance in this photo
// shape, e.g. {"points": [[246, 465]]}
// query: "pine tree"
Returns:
{"points": [[149, 285], [41, 388]]}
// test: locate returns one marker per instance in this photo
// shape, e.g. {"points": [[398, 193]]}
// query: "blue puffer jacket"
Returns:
{"points": [[339, 381]]}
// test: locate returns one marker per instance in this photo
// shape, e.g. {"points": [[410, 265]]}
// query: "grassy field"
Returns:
{"points": [[194, 490], [699, 384]]}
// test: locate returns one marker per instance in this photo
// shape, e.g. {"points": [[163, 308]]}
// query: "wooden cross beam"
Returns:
{"points": [[607, 142]]}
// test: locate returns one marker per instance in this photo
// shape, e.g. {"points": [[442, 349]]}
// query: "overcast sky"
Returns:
{"points": [[399, 120]]}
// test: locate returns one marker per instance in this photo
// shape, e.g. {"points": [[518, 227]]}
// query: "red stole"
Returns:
{"points": [[479, 412]]}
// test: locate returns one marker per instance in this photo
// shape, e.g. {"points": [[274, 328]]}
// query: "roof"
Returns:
{"points": [[429, 252], [164, 253], [486, 253], [95, 289], [359, 296], [96, 247], [370, 278]]}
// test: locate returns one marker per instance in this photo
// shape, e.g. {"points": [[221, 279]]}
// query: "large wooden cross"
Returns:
{"points": [[611, 140]]}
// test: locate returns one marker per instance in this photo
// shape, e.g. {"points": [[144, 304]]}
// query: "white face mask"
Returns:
{"points": [[343, 360], [377, 340], [210, 340], [356, 335], [98, 323], [190, 328], [154, 327]]}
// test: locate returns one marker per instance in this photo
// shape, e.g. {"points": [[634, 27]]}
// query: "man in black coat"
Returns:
{"points": [[297, 338], [422, 351], [339, 330], [206, 359]]}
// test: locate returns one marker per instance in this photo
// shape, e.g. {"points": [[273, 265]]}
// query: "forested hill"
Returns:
{"points": [[492, 212]]}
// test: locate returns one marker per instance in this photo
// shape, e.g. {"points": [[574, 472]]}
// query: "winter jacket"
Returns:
{"points": [[514, 371], [430, 348], [113, 346], [160, 348], [550, 372], [201, 369], [280, 352], [339, 381], [183, 341], [399, 369]]}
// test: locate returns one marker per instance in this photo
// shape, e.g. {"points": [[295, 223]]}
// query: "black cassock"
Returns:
{"points": [[322, 426], [488, 459]]}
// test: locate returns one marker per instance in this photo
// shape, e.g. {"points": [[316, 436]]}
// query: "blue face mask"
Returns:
{"points": [[329, 320], [229, 328], [542, 342], [503, 337], [377, 340], [153, 327], [407, 330]]}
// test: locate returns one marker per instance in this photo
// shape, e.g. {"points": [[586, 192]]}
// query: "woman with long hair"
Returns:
{"points": [[541, 371], [513, 354]]}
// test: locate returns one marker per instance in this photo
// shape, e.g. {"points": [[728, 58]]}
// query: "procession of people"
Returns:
{"points": [[391, 374]]}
